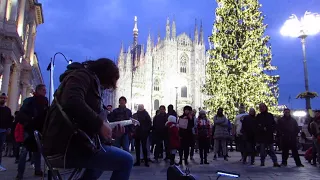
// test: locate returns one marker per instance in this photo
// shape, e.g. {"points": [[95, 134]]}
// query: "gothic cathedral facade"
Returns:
{"points": [[170, 71]]}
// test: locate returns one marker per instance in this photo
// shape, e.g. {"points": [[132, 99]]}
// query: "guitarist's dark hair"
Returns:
{"points": [[106, 70]]}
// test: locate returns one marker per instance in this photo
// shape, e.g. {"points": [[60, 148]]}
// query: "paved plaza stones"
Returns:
{"points": [[203, 172]]}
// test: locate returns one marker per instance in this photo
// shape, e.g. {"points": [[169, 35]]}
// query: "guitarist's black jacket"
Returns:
{"points": [[79, 95]]}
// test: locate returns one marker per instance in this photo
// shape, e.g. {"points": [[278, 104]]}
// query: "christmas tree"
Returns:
{"points": [[239, 69]]}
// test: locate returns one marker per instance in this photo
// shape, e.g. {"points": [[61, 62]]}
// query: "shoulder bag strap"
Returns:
{"points": [[65, 116], [75, 129]]}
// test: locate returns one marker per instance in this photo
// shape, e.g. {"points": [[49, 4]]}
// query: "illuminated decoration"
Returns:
{"points": [[32, 60], [227, 174], [20, 100], [239, 69], [308, 25], [282, 107], [299, 113]]}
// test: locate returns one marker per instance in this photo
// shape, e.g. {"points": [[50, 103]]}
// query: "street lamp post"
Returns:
{"points": [[308, 25], [51, 69], [176, 99]]}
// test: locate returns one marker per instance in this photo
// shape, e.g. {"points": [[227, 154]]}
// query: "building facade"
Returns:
{"points": [[170, 71], [19, 68]]}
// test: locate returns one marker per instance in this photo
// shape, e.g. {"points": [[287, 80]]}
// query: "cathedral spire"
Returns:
{"points": [[121, 48], [159, 37], [135, 31], [149, 44], [174, 32], [201, 34], [121, 58], [129, 60], [168, 29], [196, 36]]}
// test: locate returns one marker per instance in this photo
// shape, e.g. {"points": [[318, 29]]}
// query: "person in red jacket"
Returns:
{"points": [[18, 133], [203, 132], [19, 137], [174, 138]]}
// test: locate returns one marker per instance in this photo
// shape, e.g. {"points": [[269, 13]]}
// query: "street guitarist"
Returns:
{"points": [[74, 119]]}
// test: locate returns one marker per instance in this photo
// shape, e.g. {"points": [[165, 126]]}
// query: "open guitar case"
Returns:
{"points": [[175, 173]]}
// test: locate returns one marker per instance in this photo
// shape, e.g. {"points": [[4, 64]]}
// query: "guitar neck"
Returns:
{"points": [[121, 123]]}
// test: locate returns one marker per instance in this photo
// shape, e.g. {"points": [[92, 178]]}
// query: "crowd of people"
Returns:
{"points": [[76, 131], [168, 133]]}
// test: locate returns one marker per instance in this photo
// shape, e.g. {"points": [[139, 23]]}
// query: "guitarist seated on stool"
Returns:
{"points": [[78, 100]]}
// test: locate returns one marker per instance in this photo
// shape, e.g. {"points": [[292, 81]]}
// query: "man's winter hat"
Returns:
{"points": [[3, 95], [202, 112], [187, 108]]}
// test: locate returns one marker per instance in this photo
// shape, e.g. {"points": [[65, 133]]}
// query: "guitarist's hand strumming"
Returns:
{"points": [[106, 131], [118, 131]]}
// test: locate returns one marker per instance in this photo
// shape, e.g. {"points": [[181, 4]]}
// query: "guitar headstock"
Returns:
{"points": [[135, 122]]}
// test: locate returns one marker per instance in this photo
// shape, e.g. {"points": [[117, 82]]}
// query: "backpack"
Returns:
{"points": [[203, 131]]}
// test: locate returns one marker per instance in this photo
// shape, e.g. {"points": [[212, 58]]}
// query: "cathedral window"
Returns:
{"points": [[183, 64], [156, 86], [156, 104], [184, 92]]}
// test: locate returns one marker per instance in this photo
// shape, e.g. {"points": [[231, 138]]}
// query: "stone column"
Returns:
{"points": [[22, 8], [25, 79], [3, 10], [30, 46], [13, 11], [6, 75], [24, 92], [14, 89]]}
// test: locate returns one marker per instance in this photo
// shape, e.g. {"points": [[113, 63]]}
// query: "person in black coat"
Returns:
{"points": [[288, 131], [160, 133], [32, 115], [186, 134], [266, 126], [248, 131], [141, 134], [171, 111], [5, 124]]}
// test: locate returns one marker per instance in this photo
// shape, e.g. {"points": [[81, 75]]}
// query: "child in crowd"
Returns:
{"points": [[203, 131], [174, 139]]}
